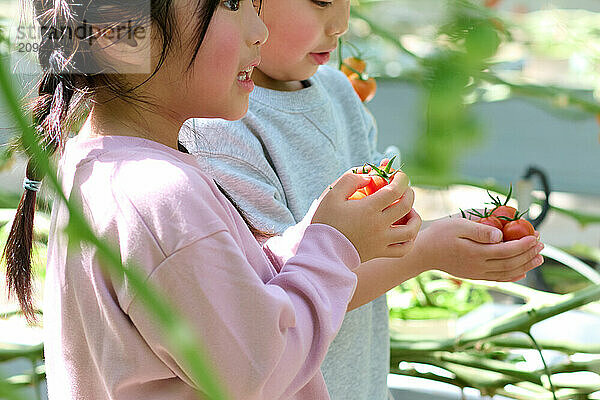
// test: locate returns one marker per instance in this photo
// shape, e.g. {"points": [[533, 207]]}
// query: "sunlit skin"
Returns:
{"points": [[209, 87], [298, 28]]}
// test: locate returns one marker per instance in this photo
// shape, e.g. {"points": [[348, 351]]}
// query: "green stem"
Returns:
{"points": [[339, 53], [515, 374], [430, 376], [355, 50], [361, 75], [522, 319], [516, 342], [428, 300], [383, 33], [548, 374], [545, 92], [519, 320]]}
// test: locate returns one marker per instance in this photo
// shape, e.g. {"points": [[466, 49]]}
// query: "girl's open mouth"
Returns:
{"points": [[244, 79]]}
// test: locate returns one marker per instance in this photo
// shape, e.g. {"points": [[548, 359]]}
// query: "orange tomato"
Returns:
{"points": [[377, 182], [380, 176], [492, 3], [355, 63], [364, 88], [357, 195]]}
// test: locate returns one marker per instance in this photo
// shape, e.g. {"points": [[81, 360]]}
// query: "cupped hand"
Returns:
{"points": [[368, 222], [470, 250]]}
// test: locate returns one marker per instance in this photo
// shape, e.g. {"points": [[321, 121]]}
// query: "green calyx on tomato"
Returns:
{"points": [[501, 210], [486, 218], [380, 176], [496, 202], [506, 218], [515, 217]]}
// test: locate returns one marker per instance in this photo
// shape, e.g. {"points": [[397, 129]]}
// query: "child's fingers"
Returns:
{"points": [[509, 264], [406, 232], [516, 273], [479, 233], [347, 184], [400, 207], [388, 194], [510, 249]]}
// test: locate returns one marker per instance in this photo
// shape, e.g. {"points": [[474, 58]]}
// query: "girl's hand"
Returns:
{"points": [[367, 222], [470, 250]]}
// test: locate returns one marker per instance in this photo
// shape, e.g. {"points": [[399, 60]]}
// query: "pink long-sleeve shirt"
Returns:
{"points": [[266, 315]]}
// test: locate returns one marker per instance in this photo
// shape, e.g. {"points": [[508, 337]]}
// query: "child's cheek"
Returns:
{"points": [[290, 42], [220, 56]]}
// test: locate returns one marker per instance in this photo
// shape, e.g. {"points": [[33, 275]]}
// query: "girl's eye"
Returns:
{"points": [[232, 5], [322, 4]]}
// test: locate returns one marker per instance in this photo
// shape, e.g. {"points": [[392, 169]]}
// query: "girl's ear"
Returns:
{"points": [[123, 49]]}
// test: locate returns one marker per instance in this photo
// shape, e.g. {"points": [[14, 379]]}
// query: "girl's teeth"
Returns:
{"points": [[243, 76]]}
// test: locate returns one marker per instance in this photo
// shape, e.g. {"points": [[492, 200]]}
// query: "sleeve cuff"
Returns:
{"points": [[327, 240]]}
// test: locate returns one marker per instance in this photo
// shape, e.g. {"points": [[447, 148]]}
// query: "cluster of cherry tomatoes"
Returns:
{"points": [[504, 217], [380, 177], [501, 216], [354, 68]]}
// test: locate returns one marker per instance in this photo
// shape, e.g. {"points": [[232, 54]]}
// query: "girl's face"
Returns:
{"points": [[217, 84], [302, 34]]}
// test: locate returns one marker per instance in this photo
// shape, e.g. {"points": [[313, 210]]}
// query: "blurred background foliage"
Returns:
{"points": [[466, 52]]}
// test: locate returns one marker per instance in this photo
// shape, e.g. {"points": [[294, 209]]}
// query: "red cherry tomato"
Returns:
{"points": [[377, 182], [517, 229], [504, 211], [491, 221]]}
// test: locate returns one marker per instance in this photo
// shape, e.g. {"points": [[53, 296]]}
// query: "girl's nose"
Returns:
{"points": [[338, 24], [257, 32]]}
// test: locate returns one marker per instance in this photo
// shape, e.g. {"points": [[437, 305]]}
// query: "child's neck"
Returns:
{"points": [[263, 80], [112, 119]]}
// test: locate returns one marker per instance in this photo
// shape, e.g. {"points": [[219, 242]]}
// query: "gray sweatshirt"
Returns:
{"points": [[274, 162]]}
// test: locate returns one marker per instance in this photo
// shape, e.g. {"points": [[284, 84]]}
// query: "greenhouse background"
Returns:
{"points": [[534, 102]]}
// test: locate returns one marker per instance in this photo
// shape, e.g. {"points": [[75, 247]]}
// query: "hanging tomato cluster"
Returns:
{"points": [[504, 217], [354, 68]]}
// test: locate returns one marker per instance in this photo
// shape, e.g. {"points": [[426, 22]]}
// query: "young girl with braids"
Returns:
{"points": [[266, 314], [304, 126]]}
